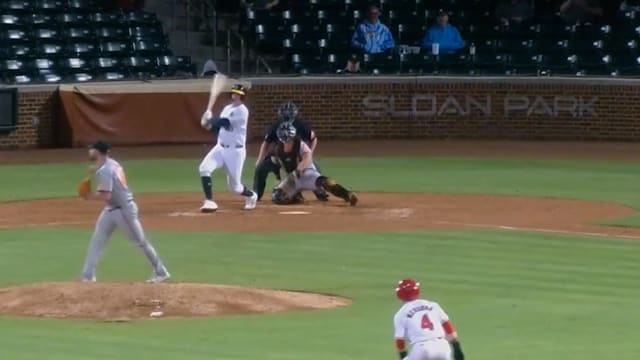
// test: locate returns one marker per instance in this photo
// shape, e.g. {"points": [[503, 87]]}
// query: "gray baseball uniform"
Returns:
{"points": [[120, 211], [307, 179]]}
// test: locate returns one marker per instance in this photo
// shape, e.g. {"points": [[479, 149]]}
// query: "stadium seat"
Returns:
{"points": [[46, 34], [79, 77], [409, 34], [11, 21], [490, 63], [333, 45], [111, 76], [106, 64], [44, 66], [417, 63], [79, 34], [301, 31], [21, 79], [13, 35], [106, 19], [49, 5], [185, 65], [167, 65], [145, 32], [50, 49], [140, 64], [303, 62], [335, 62], [111, 33], [267, 39], [21, 51], [12, 67], [41, 21], [299, 45], [74, 20], [115, 48], [83, 49], [83, 5], [23, 6], [378, 63], [74, 65], [136, 18], [154, 47], [51, 77]]}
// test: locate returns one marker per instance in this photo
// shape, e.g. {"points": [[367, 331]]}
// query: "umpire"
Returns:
{"points": [[267, 162]]}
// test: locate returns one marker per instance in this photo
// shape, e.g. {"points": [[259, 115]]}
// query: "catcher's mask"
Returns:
{"points": [[239, 89], [288, 111], [286, 132], [408, 289]]}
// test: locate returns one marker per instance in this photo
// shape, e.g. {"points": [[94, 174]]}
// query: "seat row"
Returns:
{"points": [[86, 69]]}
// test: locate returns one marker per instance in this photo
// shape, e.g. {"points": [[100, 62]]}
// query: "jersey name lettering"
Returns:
{"points": [[418, 309]]}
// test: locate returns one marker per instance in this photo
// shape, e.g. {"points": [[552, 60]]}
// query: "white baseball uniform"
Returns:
{"points": [[420, 322], [230, 150]]}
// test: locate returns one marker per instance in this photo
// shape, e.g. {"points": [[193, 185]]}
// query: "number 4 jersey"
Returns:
{"points": [[421, 320]]}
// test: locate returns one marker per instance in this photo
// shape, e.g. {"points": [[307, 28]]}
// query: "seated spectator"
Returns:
{"points": [[574, 11], [516, 11], [547, 11], [371, 36], [444, 34]]}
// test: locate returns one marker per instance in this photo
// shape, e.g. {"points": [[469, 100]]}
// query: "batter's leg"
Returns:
{"points": [[211, 162], [127, 220], [261, 173], [234, 162], [101, 234]]}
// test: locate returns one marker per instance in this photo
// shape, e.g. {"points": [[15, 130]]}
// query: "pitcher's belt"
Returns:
{"points": [[226, 146]]}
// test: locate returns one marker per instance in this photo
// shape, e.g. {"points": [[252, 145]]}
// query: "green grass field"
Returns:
{"points": [[512, 295]]}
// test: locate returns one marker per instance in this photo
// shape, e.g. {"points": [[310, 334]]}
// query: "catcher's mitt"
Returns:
{"points": [[84, 187]]}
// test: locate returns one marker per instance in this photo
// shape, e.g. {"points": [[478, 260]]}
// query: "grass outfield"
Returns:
{"points": [[512, 295]]}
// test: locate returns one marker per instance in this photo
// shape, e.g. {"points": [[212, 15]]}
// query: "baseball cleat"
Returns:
{"points": [[92, 280], [251, 201], [155, 279], [209, 206], [353, 199]]}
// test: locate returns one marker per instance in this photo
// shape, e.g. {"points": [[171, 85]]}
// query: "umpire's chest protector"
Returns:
{"points": [[289, 159]]}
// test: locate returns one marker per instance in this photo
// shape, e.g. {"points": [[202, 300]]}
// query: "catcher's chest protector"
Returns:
{"points": [[289, 160]]}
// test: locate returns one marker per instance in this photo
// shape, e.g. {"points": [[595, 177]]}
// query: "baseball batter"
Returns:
{"points": [[425, 325], [267, 162], [229, 152], [296, 159], [120, 211]]}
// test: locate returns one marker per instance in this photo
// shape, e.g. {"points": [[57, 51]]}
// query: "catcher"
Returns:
{"points": [[295, 157], [267, 163]]}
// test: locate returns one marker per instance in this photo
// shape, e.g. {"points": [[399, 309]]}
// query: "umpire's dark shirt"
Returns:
{"points": [[302, 128]]}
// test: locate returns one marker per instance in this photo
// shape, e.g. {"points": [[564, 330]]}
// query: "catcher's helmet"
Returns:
{"points": [[286, 132], [288, 111], [238, 89], [408, 289]]}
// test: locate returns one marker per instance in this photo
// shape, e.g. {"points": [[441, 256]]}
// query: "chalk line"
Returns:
{"points": [[540, 230], [52, 223]]}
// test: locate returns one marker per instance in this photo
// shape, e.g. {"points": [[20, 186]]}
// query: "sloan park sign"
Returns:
{"points": [[431, 105]]}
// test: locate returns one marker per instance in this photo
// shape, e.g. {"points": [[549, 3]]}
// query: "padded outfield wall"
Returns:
{"points": [[168, 111]]}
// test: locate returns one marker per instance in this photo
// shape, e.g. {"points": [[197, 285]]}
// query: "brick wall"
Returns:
{"points": [[37, 112], [410, 107], [458, 108]]}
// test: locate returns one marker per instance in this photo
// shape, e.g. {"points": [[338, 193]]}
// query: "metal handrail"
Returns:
{"points": [[238, 36]]}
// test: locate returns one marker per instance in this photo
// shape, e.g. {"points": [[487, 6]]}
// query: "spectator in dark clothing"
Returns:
{"points": [[517, 11], [574, 11]]}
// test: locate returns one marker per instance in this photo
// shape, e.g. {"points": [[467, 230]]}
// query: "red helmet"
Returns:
{"points": [[408, 289]]}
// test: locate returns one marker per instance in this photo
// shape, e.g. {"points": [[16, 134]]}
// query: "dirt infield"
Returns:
{"points": [[122, 302]]}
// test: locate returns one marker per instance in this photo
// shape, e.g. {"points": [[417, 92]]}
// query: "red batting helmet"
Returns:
{"points": [[408, 289]]}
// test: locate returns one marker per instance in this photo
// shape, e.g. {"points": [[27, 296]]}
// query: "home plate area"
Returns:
{"points": [[375, 212]]}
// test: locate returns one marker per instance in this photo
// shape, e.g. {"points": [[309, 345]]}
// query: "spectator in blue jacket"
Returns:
{"points": [[444, 34], [371, 36]]}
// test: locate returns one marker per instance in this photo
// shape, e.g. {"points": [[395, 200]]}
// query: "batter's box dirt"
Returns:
{"points": [[127, 301], [375, 212]]}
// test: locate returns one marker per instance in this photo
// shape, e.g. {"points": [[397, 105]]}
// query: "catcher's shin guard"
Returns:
{"points": [[334, 188]]}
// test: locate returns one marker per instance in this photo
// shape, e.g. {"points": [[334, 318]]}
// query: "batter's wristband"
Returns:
{"points": [[403, 354]]}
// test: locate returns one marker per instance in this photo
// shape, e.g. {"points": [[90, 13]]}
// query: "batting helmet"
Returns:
{"points": [[238, 89], [286, 132], [408, 289], [288, 111]]}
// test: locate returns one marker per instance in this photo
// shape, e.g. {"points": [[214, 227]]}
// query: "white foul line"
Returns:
{"points": [[541, 230], [53, 223]]}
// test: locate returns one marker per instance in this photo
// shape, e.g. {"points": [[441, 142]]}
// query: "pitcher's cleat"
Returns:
{"points": [[353, 199], [209, 206], [251, 201]]}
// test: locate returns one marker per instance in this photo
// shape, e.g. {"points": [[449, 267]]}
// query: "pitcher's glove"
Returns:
{"points": [[84, 187]]}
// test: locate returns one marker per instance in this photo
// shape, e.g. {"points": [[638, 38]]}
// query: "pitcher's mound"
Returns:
{"points": [[126, 301]]}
